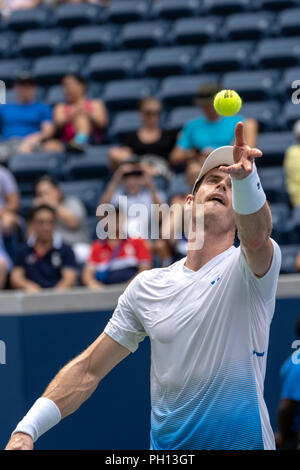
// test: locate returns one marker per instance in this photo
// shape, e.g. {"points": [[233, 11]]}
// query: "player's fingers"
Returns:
{"points": [[239, 134], [255, 153]]}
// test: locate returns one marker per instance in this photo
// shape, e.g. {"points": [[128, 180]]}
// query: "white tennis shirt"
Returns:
{"points": [[209, 332]]}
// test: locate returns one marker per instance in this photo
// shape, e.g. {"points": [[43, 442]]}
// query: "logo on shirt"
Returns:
{"points": [[214, 282], [258, 185], [56, 260], [258, 354]]}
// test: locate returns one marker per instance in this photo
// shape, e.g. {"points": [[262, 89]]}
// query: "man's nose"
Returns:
{"points": [[222, 185]]}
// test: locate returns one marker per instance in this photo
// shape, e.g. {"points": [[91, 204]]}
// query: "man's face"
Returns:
{"points": [[25, 92], [215, 193], [43, 225]]}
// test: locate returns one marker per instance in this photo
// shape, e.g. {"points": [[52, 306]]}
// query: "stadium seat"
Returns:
{"points": [[196, 30], [93, 164], [253, 85], [178, 186], [225, 56], [290, 114], [180, 91], [20, 20], [123, 123], [27, 168], [226, 7], [144, 34], [273, 145], [50, 70], [273, 182], [126, 94], [289, 22], [89, 39], [88, 191], [281, 221], [70, 15], [7, 44], [112, 65], [276, 5], [288, 255], [178, 117], [290, 76], [243, 26], [266, 114], [122, 11], [160, 62], [11, 68], [42, 42], [278, 52], [173, 9]]}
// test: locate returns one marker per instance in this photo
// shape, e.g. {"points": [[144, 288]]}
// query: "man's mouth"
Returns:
{"points": [[217, 197]]}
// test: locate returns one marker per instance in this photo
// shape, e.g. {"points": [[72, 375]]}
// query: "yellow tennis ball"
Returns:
{"points": [[227, 102]]}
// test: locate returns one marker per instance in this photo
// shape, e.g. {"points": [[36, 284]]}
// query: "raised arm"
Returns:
{"points": [[76, 382], [253, 216]]}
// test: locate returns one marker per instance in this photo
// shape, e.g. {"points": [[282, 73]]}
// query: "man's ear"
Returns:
{"points": [[189, 200]]}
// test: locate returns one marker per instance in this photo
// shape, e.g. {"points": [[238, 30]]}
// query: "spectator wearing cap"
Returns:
{"points": [[134, 181], [79, 121], [209, 130], [25, 125], [70, 212], [44, 261], [118, 258], [291, 165]]}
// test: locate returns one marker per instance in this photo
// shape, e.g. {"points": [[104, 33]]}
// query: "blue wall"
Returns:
{"points": [[117, 416]]}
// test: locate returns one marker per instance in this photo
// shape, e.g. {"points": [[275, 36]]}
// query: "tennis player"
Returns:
{"points": [[207, 317]]}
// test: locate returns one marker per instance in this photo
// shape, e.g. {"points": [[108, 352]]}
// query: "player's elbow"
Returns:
{"points": [[255, 242]]}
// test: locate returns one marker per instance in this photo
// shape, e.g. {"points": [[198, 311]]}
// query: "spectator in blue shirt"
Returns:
{"points": [[26, 125], [288, 416], [44, 261], [209, 130]]}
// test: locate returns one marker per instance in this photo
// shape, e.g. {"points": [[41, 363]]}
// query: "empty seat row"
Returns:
{"points": [[159, 62], [140, 35]]}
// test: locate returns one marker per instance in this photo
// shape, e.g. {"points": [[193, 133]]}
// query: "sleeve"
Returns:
{"points": [[265, 286], [124, 325], [129, 140], [291, 385], [20, 257], [8, 182], [185, 140], [46, 113], [68, 258], [94, 254], [142, 251]]}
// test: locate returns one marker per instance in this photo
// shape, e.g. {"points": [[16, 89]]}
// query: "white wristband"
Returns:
{"points": [[248, 195], [42, 416]]}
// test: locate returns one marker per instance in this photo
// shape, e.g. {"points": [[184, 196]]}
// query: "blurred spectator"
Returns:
{"points": [[44, 261], [150, 139], [292, 168], [164, 253], [9, 201], [8, 6], [116, 259], [134, 181], [80, 120], [5, 264], [70, 213], [288, 416], [25, 125], [210, 130]]}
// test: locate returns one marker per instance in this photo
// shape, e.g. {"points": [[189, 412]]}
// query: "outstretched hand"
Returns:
{"points": [[243, 156]]}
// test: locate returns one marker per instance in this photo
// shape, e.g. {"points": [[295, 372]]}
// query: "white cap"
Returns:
{"points": [[218, 157]]}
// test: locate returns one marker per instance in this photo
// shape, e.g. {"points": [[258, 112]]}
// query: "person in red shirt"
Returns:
{"points": [[116, 259]]}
